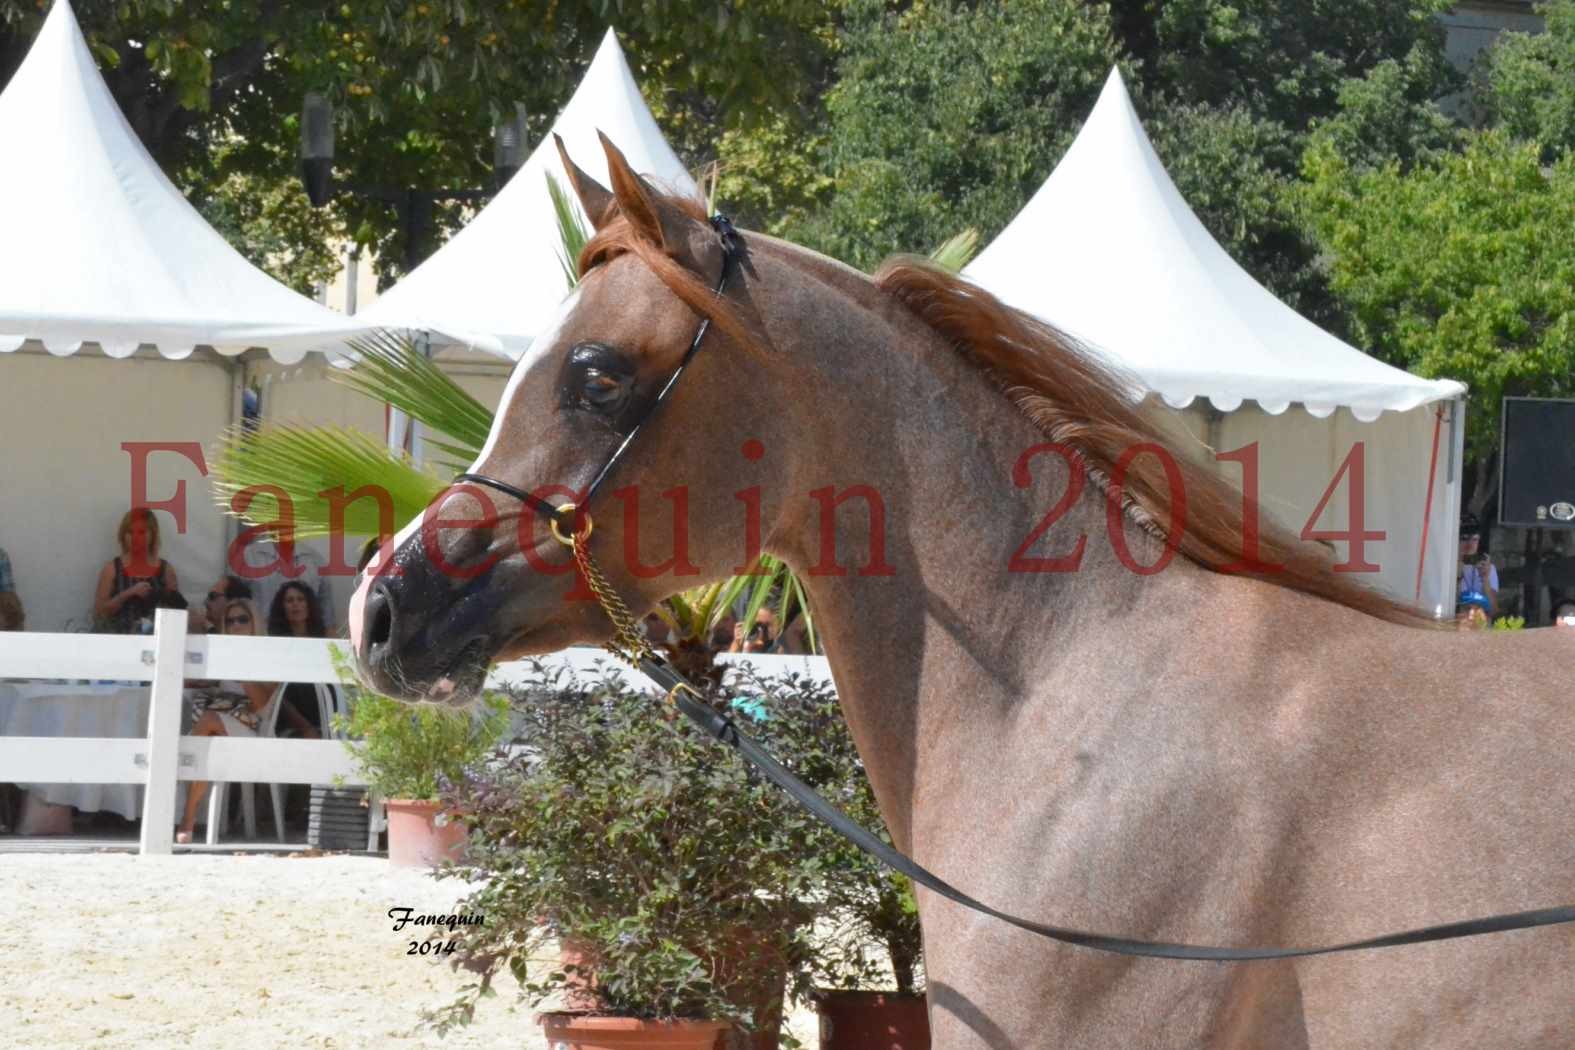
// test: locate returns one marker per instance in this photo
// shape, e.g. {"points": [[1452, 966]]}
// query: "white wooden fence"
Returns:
{"points": [[168, 657]]}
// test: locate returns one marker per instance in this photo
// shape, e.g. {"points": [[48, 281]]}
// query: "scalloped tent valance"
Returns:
{"points": [[500, 279], [1109, 252], [102, 248]]}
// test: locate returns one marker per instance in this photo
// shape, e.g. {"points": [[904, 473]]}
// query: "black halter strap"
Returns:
{"points": [[730, 251]]}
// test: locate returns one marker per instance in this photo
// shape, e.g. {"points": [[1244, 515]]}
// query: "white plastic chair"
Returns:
{"points": [[266, 727]]}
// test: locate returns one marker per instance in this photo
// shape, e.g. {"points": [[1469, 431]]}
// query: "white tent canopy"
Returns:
{"points": [[102, 248], [501, 277], [1108, 251]]}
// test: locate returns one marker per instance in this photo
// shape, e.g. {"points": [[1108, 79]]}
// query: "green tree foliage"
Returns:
{"points": [[215, 89], [261, 215], [946, 115], [1281, 60], [1390, 114], [1527, 81], [1462, 267], [1234, 92]]}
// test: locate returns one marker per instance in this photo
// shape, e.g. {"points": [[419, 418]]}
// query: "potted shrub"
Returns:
{"points": [[680, 883], [868, 949], [405, 752], [861, 1008]]}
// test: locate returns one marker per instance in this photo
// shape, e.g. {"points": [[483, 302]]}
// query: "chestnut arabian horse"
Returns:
{"points": [[1245, 748]]}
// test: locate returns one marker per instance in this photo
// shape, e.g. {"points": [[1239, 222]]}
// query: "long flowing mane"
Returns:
{"points": [[1074, 399], [1077, 401]]}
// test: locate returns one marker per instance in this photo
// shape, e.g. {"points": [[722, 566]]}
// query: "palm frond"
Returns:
{"points": [[572, 233], [956, 250], [284, 473], [696, 612], [391, 369]]}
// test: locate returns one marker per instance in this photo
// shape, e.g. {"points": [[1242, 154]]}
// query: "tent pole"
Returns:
{"points": [[1427, 504], [1216, 422], [418, 432], [239, 368], [1451, 510]]}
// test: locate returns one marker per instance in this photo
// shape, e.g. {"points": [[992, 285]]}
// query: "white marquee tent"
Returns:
{"points": [[104, 248], [500, 278], [1108, 251], [101, 249]]}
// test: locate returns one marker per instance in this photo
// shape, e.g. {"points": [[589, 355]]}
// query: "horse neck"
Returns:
{"points": [[942, 637]]}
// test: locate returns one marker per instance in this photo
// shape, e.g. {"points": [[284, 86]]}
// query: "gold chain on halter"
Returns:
{"points": [[628, 643]]}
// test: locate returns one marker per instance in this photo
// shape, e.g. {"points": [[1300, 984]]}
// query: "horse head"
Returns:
{"points": [[480, 575]]}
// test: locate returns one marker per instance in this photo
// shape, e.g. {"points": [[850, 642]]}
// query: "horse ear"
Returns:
{"points": [[646, 210], [596, 199]]}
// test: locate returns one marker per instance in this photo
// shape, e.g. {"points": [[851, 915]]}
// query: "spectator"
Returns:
{"points": [[1478, 575], [295, 614], [219, 595], [129, 585], [230, 709], [770, 634], [270, 557], [12, 617], [1564, 614], [762, 636]]}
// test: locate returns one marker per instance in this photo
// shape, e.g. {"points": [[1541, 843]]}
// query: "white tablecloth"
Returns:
{"points": [[56, 709]]}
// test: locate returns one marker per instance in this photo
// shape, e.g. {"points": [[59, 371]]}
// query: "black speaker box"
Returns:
{"points": [[1537, 482]]}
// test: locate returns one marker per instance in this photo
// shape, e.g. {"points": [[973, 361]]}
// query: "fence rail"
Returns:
{"points": [[169, 656]]}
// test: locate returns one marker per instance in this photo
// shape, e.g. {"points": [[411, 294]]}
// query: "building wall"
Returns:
{"points": [[1472, 27], [65, 481]]}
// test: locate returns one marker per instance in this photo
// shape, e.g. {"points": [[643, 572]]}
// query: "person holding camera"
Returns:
{"points": [[129, 585], [757, 638], [766, 635], [1478, 575]]}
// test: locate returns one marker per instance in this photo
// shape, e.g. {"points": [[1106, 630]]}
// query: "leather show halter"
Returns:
{"points": [[629, 645]]}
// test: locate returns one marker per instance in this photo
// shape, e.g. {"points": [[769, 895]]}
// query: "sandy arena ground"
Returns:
{"points": [[195, 951]]}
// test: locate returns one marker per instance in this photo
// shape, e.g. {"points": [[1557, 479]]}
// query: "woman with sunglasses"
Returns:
{"points": [[219, 596], [233, 709]]}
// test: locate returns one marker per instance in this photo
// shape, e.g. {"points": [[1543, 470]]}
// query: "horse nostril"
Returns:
{"points": [[380, 629]]}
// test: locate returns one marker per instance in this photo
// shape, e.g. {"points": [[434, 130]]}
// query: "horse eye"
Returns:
{"points": [[603, 390]]}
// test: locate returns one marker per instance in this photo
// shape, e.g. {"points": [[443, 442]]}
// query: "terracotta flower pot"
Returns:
{"points": [[414, 841], [744, 964], [872, 1021], [576, 1032]]}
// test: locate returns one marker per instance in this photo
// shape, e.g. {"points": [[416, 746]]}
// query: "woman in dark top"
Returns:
{"points": [[129, 585], [295, 613]]}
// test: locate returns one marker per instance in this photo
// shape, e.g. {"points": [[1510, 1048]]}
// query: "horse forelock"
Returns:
{"points": [[620, 237], [1083, 404]]}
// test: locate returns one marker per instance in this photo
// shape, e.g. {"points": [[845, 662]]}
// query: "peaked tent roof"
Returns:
{"points": [[101, 247], [1109, 252], [500, 278]]}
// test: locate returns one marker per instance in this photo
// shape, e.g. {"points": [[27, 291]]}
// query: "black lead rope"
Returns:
{"points": [[723, 729]]}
